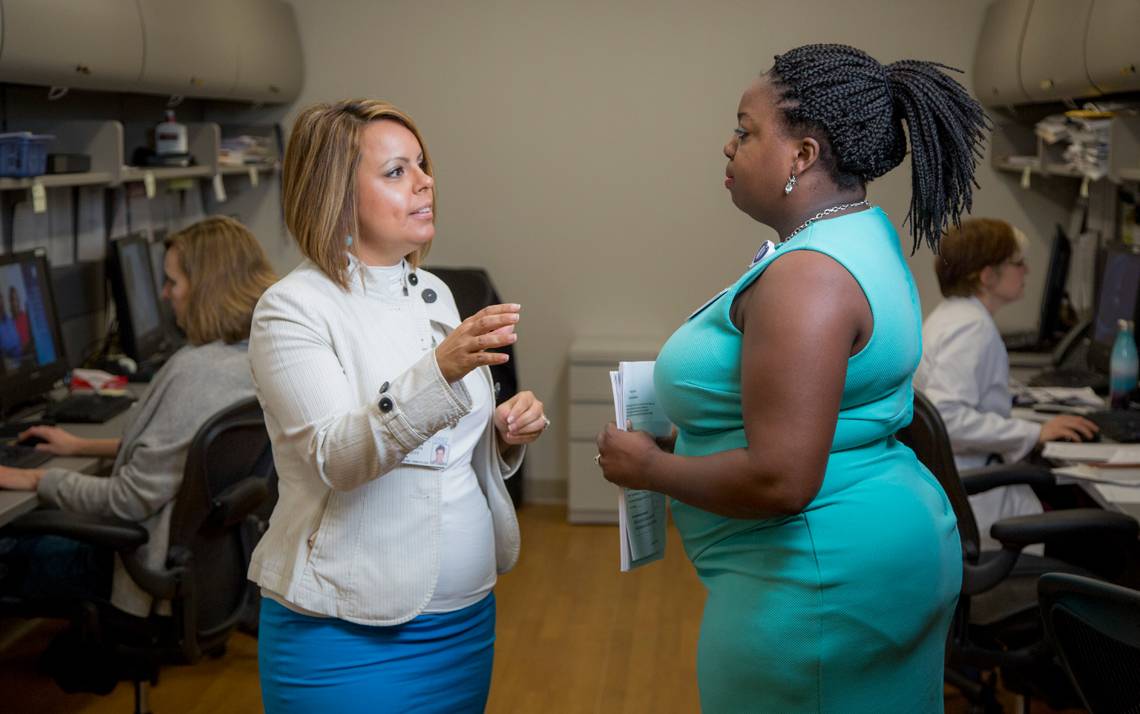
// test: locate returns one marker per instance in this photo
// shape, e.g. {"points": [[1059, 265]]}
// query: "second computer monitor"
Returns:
{"points": [[1055, 278], [137, 304], [1119, 299]]}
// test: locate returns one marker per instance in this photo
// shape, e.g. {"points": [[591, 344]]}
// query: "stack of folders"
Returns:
{"points": [[641, 514], [1111, 470]]}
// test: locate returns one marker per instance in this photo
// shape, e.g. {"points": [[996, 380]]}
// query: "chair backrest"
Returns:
{"points": [[1095, 628], [926, 436], [230, 450], [473, 290]]}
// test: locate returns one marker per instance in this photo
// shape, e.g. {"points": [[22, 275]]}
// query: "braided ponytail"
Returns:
{"points": [[855, 107]]}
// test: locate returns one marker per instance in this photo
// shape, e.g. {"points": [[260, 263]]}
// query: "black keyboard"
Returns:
{"points": [[22, 457], [1119, 425], [1070, 378], [87, 408]]}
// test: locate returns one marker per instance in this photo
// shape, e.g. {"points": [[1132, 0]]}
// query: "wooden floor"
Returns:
{"points": [[574, 635]]}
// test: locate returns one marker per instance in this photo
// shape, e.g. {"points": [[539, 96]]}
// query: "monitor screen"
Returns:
{"points": [[1118, 300], [136, 299], [31, 351]]}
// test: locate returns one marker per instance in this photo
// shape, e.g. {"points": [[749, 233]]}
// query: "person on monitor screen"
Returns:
{"points": [[965, 369], [20, 320], [215, 273], [9, 337]]}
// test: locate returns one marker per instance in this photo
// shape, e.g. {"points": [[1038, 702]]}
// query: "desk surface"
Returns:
{"points": [[17, 503]]}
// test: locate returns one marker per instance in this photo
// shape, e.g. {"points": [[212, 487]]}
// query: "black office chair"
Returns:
{"points": [[997, 627], [204, 578], [1095, 629], [473, 291]]}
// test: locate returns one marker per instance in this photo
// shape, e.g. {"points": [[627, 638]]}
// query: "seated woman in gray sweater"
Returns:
{"points": [[215, 273]]}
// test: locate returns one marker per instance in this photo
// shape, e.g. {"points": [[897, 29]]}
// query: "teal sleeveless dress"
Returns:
{"points": [[846, 606]]}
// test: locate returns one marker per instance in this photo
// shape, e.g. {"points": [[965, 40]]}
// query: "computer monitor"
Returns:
{"points": [[31, 345], [1119, 299], [1060, 252], [137, 305], [174, 335]]}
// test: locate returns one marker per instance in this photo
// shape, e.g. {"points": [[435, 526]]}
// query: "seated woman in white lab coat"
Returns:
{"points": [[965, 368]]}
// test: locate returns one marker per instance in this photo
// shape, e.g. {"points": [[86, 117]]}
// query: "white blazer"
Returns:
{"points": [[964, 372], [349, 384]]}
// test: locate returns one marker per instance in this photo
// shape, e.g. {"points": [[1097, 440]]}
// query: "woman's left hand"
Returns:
{"points": [[520, 419], [625, 456], [19, 479]]}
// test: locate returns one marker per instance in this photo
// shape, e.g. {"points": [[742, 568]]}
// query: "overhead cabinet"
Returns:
{"points": [[222, 49], [94, 44], [1055, 50]]}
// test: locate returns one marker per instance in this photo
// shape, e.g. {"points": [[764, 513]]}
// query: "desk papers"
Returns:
{"points": [[641, 514]]}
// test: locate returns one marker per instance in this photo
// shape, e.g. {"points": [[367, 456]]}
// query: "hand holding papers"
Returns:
{"points": [[641, 514]]}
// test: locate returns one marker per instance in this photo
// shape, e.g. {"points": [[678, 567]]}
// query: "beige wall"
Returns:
{"points": [[578, 148]]}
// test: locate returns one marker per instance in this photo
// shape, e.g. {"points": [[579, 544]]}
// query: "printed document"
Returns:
{"points": [[641, 514]]}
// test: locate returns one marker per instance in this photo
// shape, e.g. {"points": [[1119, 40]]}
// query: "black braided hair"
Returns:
{"points": [[855, 108]]}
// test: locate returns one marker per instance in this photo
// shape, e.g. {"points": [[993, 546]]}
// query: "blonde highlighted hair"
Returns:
{"points": [[319, 180], [228, 271]]}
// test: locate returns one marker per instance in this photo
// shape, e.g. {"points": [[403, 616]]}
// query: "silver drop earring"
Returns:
{"points": [[790, 184]]}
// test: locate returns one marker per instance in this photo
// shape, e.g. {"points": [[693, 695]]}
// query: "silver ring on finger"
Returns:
{"points": [[545, 422]]}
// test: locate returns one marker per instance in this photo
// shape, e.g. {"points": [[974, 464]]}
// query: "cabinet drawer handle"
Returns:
{"points": [[82, 69]]}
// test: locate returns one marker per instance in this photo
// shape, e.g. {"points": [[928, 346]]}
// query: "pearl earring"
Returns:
{"points": [[790, 184]]}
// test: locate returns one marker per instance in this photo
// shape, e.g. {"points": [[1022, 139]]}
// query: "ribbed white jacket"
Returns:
{"points": [[349, 384]]}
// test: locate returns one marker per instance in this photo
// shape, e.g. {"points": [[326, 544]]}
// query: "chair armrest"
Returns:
{"points": [[976, 481], [105, 531], [236, 502], [1020, 531]]}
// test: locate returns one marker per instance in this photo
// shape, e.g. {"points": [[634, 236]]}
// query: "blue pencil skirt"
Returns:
{"points": [[434, 663]]}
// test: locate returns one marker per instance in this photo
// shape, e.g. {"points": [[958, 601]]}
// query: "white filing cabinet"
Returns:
{"points": [[592, 499]]}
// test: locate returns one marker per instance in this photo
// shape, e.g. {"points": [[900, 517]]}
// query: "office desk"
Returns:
{"points": [[16, 503], [1125, 499]]}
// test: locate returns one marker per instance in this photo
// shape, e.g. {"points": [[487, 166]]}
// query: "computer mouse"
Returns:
{"points": [[31, 441]]}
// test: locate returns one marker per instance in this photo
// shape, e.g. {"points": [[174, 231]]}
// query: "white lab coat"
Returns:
{"points": [[964, 372]]}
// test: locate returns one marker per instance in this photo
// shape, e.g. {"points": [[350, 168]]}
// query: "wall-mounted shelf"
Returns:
{"points": [[106, 141], [1016, 149], [245, 169]]}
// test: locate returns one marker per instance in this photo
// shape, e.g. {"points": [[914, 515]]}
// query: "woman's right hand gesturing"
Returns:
{"points": [[466, 348]]}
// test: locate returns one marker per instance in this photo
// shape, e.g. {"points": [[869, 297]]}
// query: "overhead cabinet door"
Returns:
{"points": [[92, 44], [1112, 47], [191, 47], [269, 51], [997, 63], [1053, 53]]}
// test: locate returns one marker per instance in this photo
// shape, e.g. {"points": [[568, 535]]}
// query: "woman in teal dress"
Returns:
{"points": [[831, 556]]}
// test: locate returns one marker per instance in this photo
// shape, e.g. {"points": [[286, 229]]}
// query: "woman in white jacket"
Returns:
{"points": [[965, 368], [378, 565]]}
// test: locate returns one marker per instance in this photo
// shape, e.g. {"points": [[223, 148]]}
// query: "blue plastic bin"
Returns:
{"points": [[23, 153]]}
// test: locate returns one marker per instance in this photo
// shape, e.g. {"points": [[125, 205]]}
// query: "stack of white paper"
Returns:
{"points": [[641, 514]]}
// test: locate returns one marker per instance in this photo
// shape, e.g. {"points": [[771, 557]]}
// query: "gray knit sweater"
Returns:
{"points": [[196, 383]]}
